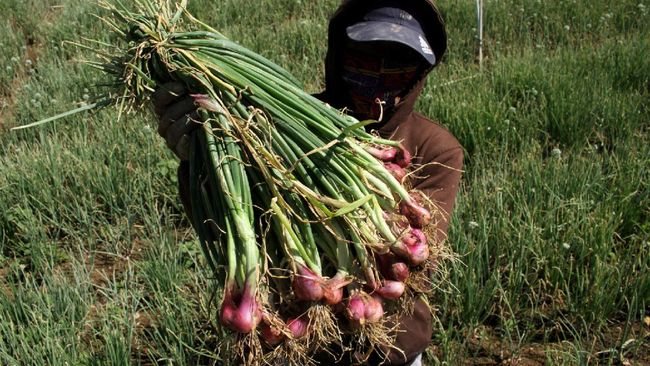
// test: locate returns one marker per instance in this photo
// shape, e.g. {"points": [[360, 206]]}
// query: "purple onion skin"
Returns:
{"points": [[386, 155], [420, 249], [363, 308], [391, 290], [391, 267], [204, 101], [403, 157], [417, 215], [399, 271], [333, 289], [356, 310], [298, 326], [242, 318], [228, 307], [227, 313], [307, 285], [418, 254], [374, 309], [271, 335], [397, 171], [413, 247], [332, 296]]}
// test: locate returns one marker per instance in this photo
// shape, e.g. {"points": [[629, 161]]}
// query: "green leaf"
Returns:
{"points": [[352, 206], [357, 125], [65, 114]]}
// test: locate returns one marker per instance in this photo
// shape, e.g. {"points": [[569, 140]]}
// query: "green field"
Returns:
{"points": [[552, 225]]}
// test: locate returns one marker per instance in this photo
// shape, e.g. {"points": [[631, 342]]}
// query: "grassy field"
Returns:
{"points": [[99, 266]]}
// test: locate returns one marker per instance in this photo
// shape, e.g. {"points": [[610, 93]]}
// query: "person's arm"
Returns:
{"points": [[439, 180], [437, 162], [439, 157]]}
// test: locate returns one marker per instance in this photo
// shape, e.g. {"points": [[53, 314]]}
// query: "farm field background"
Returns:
{"points": [[552, 225]]}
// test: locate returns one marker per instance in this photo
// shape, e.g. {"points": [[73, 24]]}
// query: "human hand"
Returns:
{"points": [[177, 117]]}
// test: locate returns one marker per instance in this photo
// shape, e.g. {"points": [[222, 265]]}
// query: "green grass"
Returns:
{"points": [[99, 266]]}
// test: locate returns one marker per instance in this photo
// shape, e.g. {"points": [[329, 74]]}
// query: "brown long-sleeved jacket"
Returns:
{"points": [[435, 149]]}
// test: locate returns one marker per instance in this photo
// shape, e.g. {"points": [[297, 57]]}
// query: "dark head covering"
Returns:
{"points": [[350, 14]]}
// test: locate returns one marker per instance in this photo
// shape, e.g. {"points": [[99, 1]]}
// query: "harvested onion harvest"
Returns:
{"points": [[301, 214]]}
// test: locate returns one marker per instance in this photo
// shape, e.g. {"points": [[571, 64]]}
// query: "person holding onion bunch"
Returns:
{"points": [[379, 55]]}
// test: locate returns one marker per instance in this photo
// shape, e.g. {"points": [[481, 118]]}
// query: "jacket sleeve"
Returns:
{"points": [[438, 161], [439, 180]]}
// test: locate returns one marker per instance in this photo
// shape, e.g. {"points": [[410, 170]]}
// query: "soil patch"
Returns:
{"points": [[615, 345], [31, 51]]}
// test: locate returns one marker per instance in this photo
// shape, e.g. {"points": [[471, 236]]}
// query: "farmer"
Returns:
{"points": [[379, 55]]}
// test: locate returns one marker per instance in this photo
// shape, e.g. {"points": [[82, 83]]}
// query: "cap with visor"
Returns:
{"points": [[394, 25]]}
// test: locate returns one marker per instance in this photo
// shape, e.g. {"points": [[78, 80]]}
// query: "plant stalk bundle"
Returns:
{"points": [[303, 216]]}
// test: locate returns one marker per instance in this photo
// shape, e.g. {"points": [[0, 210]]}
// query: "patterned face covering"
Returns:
{"points": [[378, 73]]}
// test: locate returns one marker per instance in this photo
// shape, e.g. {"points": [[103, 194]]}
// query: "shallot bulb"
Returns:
{"points": [[385, 154], [417, 215], [391, 289], [396, 171], [206, 102], [399, 271], [243, 317], [363, 308], [298, 326], [403, 157], [356, 310], [413, 247], [270, 334], [392, 268], [374, 309], [307, 285], [333, 288]]}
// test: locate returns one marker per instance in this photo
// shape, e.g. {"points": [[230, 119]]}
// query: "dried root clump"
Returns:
{"points": [[323, 328], [375, 338], [290, 352], [248, 349]]}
